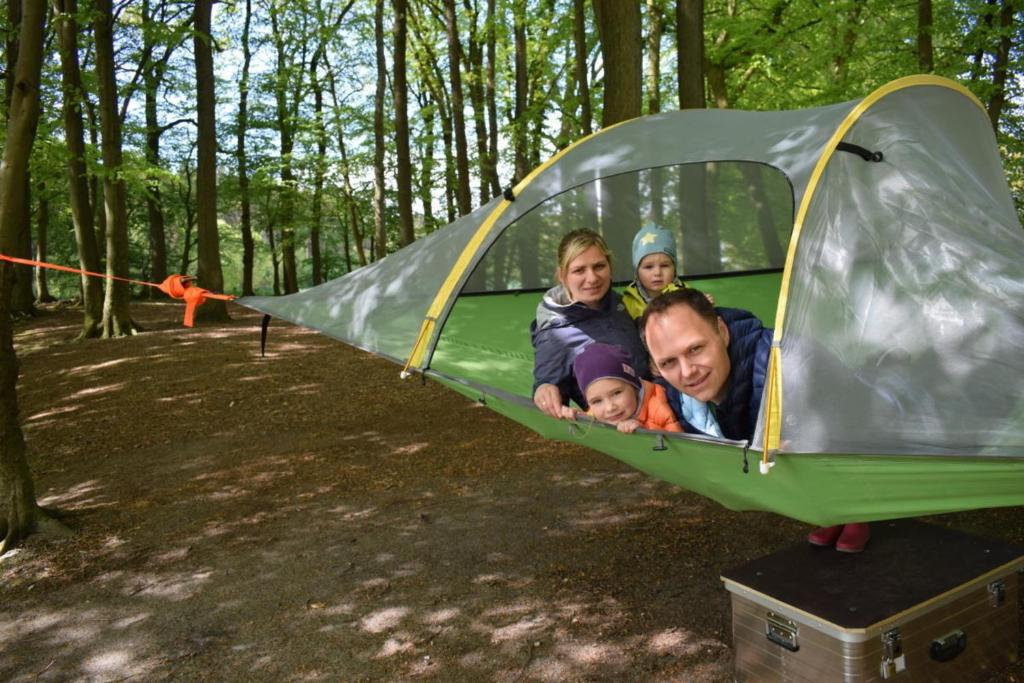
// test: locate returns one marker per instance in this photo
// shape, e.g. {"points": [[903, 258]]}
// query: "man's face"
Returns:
{"points": [[690, 354]]}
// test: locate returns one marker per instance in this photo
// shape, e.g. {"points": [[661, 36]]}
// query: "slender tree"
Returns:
{"points": [[378, 133], [207, 237], [619, 27], [65, 13], [22, 513], [462, 194], [21, 302], [117, 319], [580, 52], [1002, 57], [42, 237], [655, 21], [925, 53], [248, 244], [403, 165]]}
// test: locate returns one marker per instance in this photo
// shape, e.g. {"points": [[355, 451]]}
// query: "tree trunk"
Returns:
{"points": [[43, 295], [22, 297], [99, 209], [190, 217], [690, 35], [462, 192], [65, 12], [476, 99], [354, 222], [619, 28], [320, 165], [209, 272], [378, 134], [152, 74], [427, 165], [403, 170], [286, 130], [999, 64], [117, 320], [925, 54], [579, 39], [697, 248], [520, 126], [248, 245], [654, 30], [22, 513], [21, 302], [490, 97]]}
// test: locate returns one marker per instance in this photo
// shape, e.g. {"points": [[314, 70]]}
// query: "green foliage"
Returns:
{"points": [[771, 55]]}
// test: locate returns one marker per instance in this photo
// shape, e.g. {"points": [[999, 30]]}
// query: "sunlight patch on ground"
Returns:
{"points": [[78, 495], [84, 369], [438, 617], [128, 622], [92, 391], [411, 448], [109, 664], [27, 624], [384, 619], [603, 516], [52, 412], [377, 582], [676, 642], [175, 586], [524, 628], [393, 646], [590, 653], [228, 493]]}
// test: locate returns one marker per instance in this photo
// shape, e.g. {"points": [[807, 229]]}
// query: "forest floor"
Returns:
{"points": [[307, 516]]}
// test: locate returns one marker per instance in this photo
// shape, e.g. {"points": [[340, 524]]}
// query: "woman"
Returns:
{"points": [[581, 309]]}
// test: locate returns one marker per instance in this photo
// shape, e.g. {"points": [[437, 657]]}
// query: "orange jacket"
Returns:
{"points": [[655, 412]]}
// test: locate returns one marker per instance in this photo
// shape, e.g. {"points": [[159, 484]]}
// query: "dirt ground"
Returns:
{"points": [[308, 516]]}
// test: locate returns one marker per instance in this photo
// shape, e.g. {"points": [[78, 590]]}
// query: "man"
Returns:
{"points": [[717, 356], [720, 357]]}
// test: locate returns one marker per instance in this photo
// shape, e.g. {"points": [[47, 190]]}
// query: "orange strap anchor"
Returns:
{"points": [[175, 286], [181, 287]]}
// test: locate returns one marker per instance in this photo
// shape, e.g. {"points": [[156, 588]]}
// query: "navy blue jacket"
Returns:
{"points": [[749, 347], [562, 329]]}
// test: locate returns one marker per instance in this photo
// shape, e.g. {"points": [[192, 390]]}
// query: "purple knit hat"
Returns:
{"points": [[603, 361]]}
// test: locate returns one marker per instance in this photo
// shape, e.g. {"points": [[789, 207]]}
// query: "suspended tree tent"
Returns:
{"points": [[879, 236]]}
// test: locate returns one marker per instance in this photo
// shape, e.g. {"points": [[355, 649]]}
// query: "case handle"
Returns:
{"points": [[947, 647]]}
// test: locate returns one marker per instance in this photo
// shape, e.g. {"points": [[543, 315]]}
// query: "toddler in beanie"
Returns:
{"points": [[654, 268], [616, 394]]}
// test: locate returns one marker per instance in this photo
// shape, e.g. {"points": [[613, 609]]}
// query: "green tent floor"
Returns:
{"points": [[485, 353]]}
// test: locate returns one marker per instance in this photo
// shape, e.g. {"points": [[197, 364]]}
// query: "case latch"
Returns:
{"points": [[782, 631], [997, 593], [893, 659]]}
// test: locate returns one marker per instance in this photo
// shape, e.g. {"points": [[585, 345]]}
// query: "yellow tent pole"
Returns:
{"points": [[773, 416], [447, 289]]}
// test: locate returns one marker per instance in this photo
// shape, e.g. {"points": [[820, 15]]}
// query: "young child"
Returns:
{"points": [[654, 268], [616, 394]]}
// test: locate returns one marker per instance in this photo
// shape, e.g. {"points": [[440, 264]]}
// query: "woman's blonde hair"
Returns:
{"points": [[578, 241]]}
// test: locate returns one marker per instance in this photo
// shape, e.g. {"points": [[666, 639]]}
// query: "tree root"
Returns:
{"points": [[46, 523]]}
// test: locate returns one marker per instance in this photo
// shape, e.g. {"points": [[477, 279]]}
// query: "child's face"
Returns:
{"points": [[612, 400], [655, 272]]}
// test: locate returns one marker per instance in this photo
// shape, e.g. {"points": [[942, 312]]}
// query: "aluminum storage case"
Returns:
{"points": [[921, 603]]}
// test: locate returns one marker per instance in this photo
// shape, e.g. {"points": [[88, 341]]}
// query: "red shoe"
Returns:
{"points": [[825, 535], [854, 538]]}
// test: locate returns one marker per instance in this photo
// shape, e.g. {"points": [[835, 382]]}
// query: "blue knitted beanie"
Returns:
{"points": [[653, 239]]}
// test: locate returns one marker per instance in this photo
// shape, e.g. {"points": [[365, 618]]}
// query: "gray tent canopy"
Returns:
{"points": [[879, 237]]}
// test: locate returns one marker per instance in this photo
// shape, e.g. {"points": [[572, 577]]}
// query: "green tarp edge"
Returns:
{"points": [[821, 489]]}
